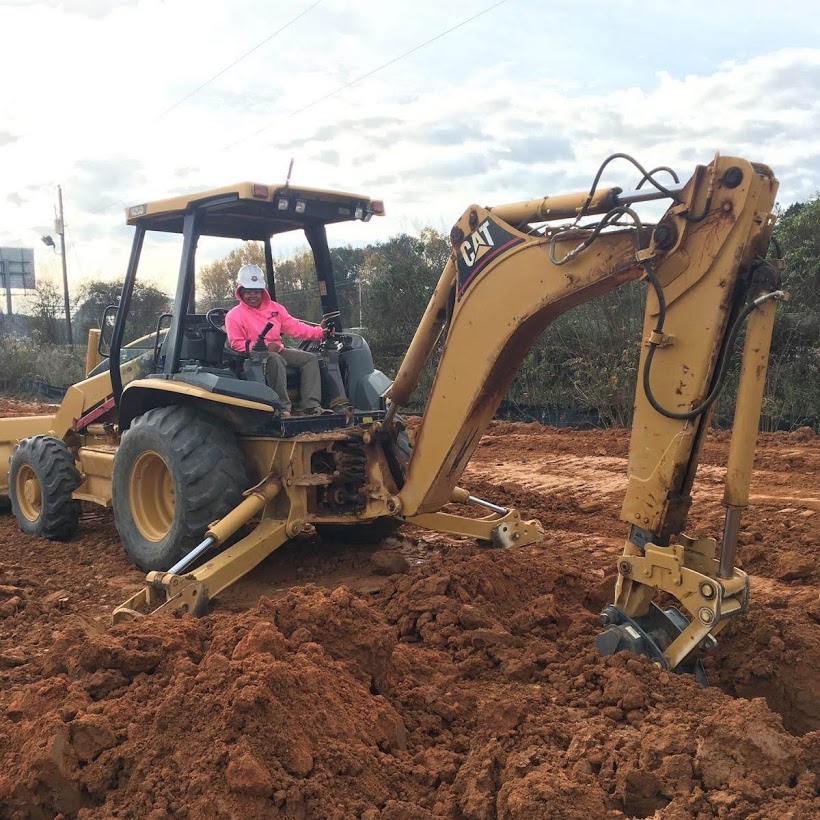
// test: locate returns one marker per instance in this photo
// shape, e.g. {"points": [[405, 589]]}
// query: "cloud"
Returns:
{"points": [[448, 134], [329, 157], [95, 182], [187, 172], [461, 165], [380, 181], [540, 147], [373, 127], [14, 199], [86, 8], [7, 138]]}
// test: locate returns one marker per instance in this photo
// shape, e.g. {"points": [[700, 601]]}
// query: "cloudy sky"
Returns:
{"points": [[412, 102]]}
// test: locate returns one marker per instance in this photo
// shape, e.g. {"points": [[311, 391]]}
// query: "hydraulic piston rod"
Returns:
{"points": [[747, 419], [568, 206], [163, 588], [462, 496]]}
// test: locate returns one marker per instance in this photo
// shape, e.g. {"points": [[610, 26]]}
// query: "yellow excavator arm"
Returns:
{"points": [[704, 263]]}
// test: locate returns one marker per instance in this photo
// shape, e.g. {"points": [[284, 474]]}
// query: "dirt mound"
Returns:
{"points": [[773, 653], [222, 717], [465, 688], [14, 407]]}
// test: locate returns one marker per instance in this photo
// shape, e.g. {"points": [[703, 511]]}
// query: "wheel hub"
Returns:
{"points": [[29, 494], [151, 496]]}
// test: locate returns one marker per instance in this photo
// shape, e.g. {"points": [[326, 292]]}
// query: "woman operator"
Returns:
{"points": [[246, 321]]}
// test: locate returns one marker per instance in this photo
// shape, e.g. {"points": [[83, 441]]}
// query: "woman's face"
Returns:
{"points": [[252, 298]]}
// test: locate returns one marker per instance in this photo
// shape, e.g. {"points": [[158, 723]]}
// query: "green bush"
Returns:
{"points": [[25, 361]]}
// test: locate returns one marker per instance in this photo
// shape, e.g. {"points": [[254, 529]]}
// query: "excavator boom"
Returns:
{"points": [[506, 282], [503, 286]]}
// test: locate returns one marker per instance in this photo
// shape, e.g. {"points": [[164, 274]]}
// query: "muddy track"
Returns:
{"points": [[463, 685]]}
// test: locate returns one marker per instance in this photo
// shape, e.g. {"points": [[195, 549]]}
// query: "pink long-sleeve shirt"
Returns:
{"points": [[244, 323]]}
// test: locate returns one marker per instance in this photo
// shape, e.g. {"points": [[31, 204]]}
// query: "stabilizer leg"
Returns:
{"points": [[171, 591], [500, 530], [166, 592]]}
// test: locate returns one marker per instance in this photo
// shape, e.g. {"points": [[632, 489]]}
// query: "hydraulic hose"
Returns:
{"points": [[724, 360]]}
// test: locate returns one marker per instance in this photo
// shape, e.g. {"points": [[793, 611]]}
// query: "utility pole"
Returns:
{"points": [[59, 226], [7, 277]]}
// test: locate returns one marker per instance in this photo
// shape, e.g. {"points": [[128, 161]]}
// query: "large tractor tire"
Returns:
{"points": [[175, 472], [42, 478]]}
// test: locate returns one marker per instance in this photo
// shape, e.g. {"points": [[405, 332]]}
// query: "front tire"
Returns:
{"points": [[175, 472], [42, 478]]}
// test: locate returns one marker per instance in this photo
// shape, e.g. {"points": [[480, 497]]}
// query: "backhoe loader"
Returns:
{"points": [[188, 450]]}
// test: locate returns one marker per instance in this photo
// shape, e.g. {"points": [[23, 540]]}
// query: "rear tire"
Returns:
{"points": [[42, 478], [175, 472]]}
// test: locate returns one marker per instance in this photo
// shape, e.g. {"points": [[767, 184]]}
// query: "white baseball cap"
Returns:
{"points": [[250, 277]]}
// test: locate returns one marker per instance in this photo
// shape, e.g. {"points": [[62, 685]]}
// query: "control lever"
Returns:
{"points": [[255, 368], [329, 324], [260, 344]]}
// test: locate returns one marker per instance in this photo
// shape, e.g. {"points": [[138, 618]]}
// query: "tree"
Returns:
{"points": [[296, 286], [793, 378], [45, 309], [348, 268], [798, 233], [401, 275], [148, 303], [216, 282]]}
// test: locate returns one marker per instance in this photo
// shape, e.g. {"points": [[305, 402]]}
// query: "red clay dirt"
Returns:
{"points": [[463, 685]]}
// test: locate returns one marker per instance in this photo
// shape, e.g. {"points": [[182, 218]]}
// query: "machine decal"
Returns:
{"points": [[479, 248]]}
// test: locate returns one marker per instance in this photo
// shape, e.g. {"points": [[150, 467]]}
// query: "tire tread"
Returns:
{"points": [[54, 465], [209, 469]]}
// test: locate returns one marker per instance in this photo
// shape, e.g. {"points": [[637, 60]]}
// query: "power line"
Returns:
{"points": [[369, 73], [340, 88], [216, 76], [236, 62]]}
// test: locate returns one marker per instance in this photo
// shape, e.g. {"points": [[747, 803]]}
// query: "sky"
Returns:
{"points": [[127, 101]]}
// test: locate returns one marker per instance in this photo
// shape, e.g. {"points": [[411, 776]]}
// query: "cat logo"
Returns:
{"points": [[486, 243], [477, 243]]}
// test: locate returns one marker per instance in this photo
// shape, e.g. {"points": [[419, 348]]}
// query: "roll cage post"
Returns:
{"points": [[122, 313], [269, 269], [317, 239], [182, 298]]}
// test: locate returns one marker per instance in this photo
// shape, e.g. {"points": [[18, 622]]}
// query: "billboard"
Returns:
{"points": [[16, 269]]}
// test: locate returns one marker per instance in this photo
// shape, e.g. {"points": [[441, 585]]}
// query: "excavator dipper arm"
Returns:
{"points": [[503, 285]]}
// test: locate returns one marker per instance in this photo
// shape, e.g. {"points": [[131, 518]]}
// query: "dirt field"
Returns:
{"points": [[421, 676]]}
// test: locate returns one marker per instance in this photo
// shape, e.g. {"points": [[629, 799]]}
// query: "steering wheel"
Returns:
{"points": [[215, 317]]}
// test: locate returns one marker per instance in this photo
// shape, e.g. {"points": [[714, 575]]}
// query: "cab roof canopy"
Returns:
{"points": [[250, 211]]}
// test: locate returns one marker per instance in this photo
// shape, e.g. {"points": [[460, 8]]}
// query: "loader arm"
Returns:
{"points": [[504, 284]]}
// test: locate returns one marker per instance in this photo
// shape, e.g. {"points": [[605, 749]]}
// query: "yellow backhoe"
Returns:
{"points": [[188, 449]]}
